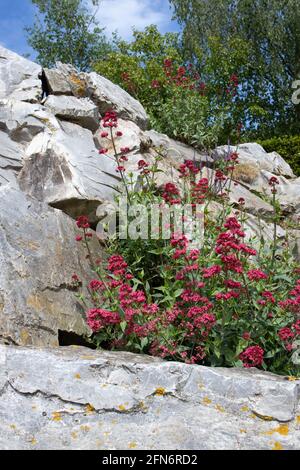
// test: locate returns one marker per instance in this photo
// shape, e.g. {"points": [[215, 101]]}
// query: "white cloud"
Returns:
{"points": [[123, 15]]}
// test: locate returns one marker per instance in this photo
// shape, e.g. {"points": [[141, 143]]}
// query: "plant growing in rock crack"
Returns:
{"points": [[228, 302]]}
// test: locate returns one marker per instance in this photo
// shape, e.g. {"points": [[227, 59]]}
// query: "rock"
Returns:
{"points": [[38, 256], [108, 96], [10, 159], [58, 82], [23, 121], [254, 155], [18, 77], [81, 111], [253, 204], [177, 151], [64, 169], [76, 398]]}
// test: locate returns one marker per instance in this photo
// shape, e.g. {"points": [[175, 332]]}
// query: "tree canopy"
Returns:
{"points": [[271, 29], [66, 31]]}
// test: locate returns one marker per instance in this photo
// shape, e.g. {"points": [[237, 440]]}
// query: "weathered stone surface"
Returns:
{"points": [[38, 255], [177, 151], [255, 155], [23, 121], [107, 96], [57, 82], [10, 159], [18, 76], [81, 111], [75, 398], [64, 169]]}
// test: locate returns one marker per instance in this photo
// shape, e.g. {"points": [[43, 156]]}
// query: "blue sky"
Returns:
{"points": [[119, 15]]}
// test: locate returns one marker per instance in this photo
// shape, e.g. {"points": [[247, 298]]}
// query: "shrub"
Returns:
{"points": [[197, 103], [288, 147], [230, 302]]}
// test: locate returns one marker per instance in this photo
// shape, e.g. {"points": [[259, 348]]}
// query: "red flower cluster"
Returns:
{"points": [[171, 194], [110, 119], [253, 356]]}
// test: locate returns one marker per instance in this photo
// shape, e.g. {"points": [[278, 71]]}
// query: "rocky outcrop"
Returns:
{"points": [[38, 257], [18, 77], [76, 398], [81, 111]]}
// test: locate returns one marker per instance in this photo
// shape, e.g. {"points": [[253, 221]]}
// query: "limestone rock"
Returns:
{"points": [[177, 151], [18, 77], [254, 155], [38, 256], [10, 159], [75, 398], [81, 111], [64, 169], [108, 96]]}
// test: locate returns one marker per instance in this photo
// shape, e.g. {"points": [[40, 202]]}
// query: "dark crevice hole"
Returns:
{"points": [[68, 338]]}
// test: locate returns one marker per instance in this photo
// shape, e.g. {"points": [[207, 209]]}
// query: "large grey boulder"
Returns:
{"points": [[18, 77], [108, 96], [63, 168], [38, 256], [81, 111], [76, 398], [254, 155]]}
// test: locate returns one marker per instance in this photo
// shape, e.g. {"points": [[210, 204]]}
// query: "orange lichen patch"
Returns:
{"points": [[103, 385], [243, 431], [298, 419], [87, 357], [245, 408], [77, 376], [206, 401], [74, 435], [34, 407], [122, 408], [56, 416], [132, 445], [293, 379], [89, 408], [220, 408], [201, 386], [160, 391], [283, 429], [13, 426], [33, 442], [85, 427], [277, 446]]}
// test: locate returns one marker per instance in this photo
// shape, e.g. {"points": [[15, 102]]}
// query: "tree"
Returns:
{"points": [[66, 31], [271, 29]]}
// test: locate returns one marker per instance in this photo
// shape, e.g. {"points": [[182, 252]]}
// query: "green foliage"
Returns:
{"points": [[197, 105], [288, 147], [66, 31], [271, 30], [218, 300]]}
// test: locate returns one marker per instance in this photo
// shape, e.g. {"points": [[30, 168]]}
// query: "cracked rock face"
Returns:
{"points": [[38, 256], [76, 398]]}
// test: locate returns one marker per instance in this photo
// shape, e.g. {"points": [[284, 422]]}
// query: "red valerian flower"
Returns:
{"points": [[97, 318], [155, 84], [110, 119], [211, 271], [78, 238], [103, 151], [285, 334], [82, 222], [246, 335], [170, 193], [168, 63], [119, 133], [256, 275], [252, 356], [124, 149], [104, 134]]}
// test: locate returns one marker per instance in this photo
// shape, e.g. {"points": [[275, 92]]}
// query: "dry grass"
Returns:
{"points": [[246, 173]]}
